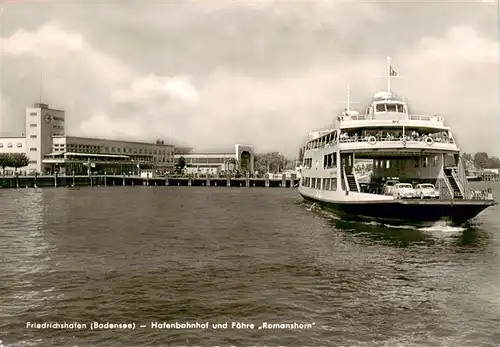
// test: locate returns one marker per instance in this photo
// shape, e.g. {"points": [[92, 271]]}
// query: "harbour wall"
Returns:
{"points": [[118, 180]]}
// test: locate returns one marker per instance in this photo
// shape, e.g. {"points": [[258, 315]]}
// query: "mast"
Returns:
{"points": [[348, 90], [348, 101], [389, 75]]}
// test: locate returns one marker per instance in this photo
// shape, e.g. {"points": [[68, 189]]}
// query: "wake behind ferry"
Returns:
{"points": [[418, 176]]}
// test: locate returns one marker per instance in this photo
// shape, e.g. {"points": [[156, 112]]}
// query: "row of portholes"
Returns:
{"points": [[9, 145]]}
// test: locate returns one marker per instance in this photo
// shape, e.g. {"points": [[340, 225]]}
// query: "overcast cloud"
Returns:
{"points": [[213, 73]]}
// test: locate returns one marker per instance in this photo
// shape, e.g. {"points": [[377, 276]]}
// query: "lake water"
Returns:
{"points": [[155, 255]]}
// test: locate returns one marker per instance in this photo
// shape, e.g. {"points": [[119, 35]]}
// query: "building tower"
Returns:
{"points": [[42, 123]]}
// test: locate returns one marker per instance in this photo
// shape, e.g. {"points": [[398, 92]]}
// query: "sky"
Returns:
{"points": [[209, 74]]}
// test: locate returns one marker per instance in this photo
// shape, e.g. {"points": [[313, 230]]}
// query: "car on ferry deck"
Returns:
{"points": [[404, 191], [389, 185], [426, 190]]}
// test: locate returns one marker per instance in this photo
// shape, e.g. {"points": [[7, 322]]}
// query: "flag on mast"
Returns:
{"points": [[392, 72]]}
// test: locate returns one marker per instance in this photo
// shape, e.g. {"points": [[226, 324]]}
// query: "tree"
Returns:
{"points": [[4, 161], [270, 162], [180, 165], [481, 160], [493, 163], [18, 160]]}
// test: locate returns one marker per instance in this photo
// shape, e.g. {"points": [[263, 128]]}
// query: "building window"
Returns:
{"points": [[33, 136], [34, 114], [32, 125], [33, 149], [19, 144], [33, 161], [9, 145], [1, 145]]}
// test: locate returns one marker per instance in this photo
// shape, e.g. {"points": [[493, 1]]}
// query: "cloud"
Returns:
{"points": [[271, 74], [144, 89]]}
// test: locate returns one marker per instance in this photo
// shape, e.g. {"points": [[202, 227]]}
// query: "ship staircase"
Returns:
{"points": [[456, 181], [351, 181]]}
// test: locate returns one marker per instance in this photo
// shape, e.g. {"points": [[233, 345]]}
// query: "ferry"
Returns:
{"points": [[417, 177]]}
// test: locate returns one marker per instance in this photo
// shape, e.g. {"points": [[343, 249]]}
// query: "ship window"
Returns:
{"points": [[380, 107], [417, 162], [392, 108], [401, 108], [426, 162], [435, 160], [387, 164]]}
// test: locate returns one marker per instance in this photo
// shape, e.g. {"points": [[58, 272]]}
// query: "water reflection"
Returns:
{"points": [[24, 250]]}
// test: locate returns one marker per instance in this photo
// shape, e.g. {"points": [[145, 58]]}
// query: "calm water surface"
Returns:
{"points": [[185, 254]]}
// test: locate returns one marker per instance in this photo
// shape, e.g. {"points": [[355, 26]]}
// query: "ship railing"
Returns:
{"points": [[437, 119], [350, 139], [346, 183], [442, 178], [356, 179], [480, 194], [462, 177]]}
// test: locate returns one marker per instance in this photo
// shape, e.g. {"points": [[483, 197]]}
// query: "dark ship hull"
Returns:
{"points": [[414, 212]]}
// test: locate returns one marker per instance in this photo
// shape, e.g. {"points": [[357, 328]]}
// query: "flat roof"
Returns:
{"points": [[112, 140], [88, 154]]}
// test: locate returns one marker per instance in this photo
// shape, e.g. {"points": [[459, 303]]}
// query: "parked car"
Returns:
{"points": [[389, 186], [404, 191], [426, 191]]}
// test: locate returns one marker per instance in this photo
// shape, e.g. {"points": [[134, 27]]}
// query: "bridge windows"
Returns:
{"points": [[390, 107]]}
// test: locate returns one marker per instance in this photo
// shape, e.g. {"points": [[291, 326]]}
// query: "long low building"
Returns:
{"points": [[241, 159], [49, 149]]}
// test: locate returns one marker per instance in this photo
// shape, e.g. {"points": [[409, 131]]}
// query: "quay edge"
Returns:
{"points": [[46, 181]]}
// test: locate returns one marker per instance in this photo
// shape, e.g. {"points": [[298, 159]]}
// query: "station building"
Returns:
{"points": [[49, 149], [241, 158]]}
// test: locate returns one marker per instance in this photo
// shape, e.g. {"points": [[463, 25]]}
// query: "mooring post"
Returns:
{"points": [[73, 178], [247, 180], [267, 180], [105, 178], [17, 180], [207, 182], [283, 180], [228, 181], [36, 180], [293, 177], [123, 179], [55, 179]]}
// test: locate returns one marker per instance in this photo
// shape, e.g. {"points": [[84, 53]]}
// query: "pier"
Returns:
{"points": [[42, 181]]}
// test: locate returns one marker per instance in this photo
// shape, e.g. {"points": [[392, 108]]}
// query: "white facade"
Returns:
{"points": [[13, 145], [42, 123], [213, 163]]}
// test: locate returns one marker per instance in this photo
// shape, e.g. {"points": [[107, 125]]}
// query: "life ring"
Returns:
{"points": [[429, 140], [372, 140]]}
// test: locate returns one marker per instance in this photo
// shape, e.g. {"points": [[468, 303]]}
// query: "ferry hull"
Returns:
{"points": [[414, 212]]}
